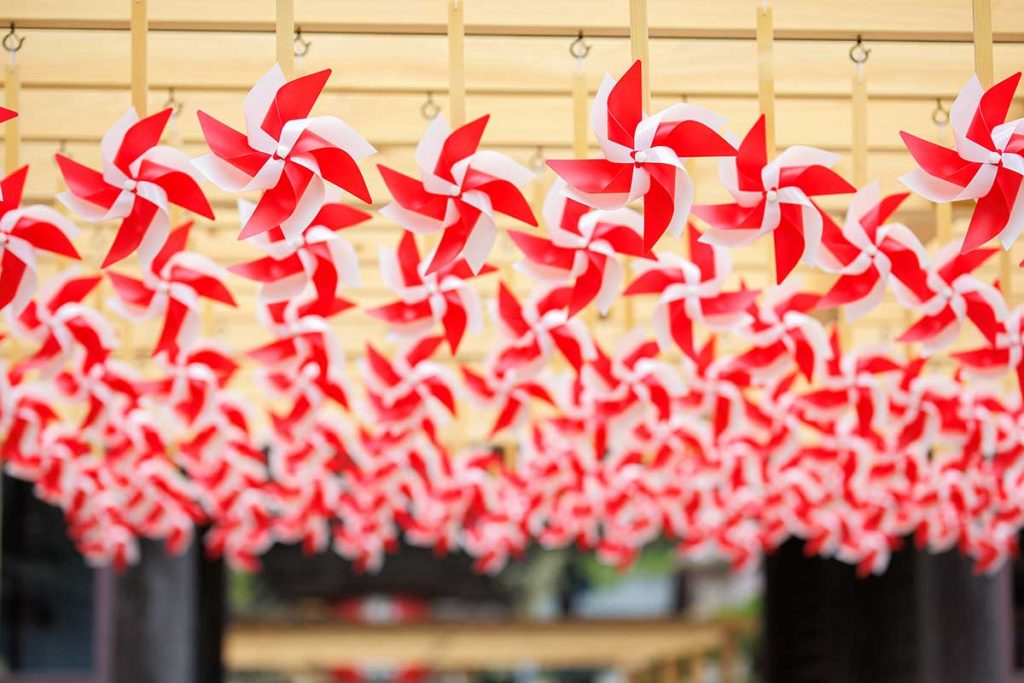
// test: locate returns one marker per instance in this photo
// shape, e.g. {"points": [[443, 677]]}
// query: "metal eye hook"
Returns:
{"points": [[858, 53], [579, 48], [12, 41], [430, 108], [172, 103], [302, 45], [940, 115]]}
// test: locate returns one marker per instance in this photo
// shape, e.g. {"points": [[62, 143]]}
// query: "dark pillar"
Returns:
{"points": [[966, 621], [928, 619], [169, 619]]}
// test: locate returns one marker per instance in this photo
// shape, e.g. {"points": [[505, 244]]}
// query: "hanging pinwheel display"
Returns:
{"points": [[730, 419]]}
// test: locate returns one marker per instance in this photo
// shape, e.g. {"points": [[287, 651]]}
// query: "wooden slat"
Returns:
{"points": [[418, 63], [139, 58], [797, 19], [464, 647]]}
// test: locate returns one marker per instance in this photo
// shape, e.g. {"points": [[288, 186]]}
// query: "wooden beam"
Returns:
{"points": [[797, 19], [466, 647]]}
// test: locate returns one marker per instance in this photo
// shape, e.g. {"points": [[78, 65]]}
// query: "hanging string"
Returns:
{"points": [[579, 49]]}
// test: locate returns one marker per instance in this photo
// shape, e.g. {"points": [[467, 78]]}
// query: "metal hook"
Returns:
{"points": [[430, 108], [858, 53], [12, 41], [579, 48], [173, 103], [940, 115], [302, 45]]}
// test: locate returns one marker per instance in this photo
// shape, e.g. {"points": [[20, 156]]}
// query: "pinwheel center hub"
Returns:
{"points": [[163, 286], [640, 156], [130, 185], [772, 195], [281, 152], [994, 157]]}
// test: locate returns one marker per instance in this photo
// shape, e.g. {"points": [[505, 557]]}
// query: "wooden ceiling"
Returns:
{"points": [[388, 55]]}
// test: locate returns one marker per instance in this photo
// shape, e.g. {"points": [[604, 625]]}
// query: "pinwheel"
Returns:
{"points": [[952, 294], [427, 297], [306, 366], [781, 334], [511, 394], [536, 329], [63, 326], [23, 232], [692, 292], [190, 387], [172, 286], [318, 256], [459, 191], [409, 391], [774, 197], [1004, 355], [583, 248], [633, 376], [285, 153], [139, 182], [643, 155], [986, 164], [866, 250]]}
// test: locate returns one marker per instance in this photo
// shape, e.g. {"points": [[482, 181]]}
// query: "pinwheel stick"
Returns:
{"points": [[12, 130], [580, 113], [285, 33], [456, 64], [140, 74]]}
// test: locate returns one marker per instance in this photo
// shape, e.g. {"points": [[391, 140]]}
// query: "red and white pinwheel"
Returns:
{"points": [[427, 297], [782, 334], [511, 394], [139, 182], [1004, 355], [319, 255], [774, 197], [64, 327], [866, 250], [172, 286], [643, 155], [409, 391], [534, 331], [191, 386], [285, 153], [459, 192], [987, 164], [952, 294], [23, 232], [583, 248], [691, 292]]}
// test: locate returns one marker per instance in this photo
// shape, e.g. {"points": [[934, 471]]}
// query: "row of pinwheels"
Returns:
{"points": [[853, 450]]}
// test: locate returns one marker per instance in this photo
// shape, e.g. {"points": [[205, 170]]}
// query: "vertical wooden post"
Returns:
{"points": [[766, 100], [668, 671], [140, 74], [12, 129], [860, 127], [580, 122], [985, 68], [639, 45], [285, 32], [456, 63], [766, 73]]}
